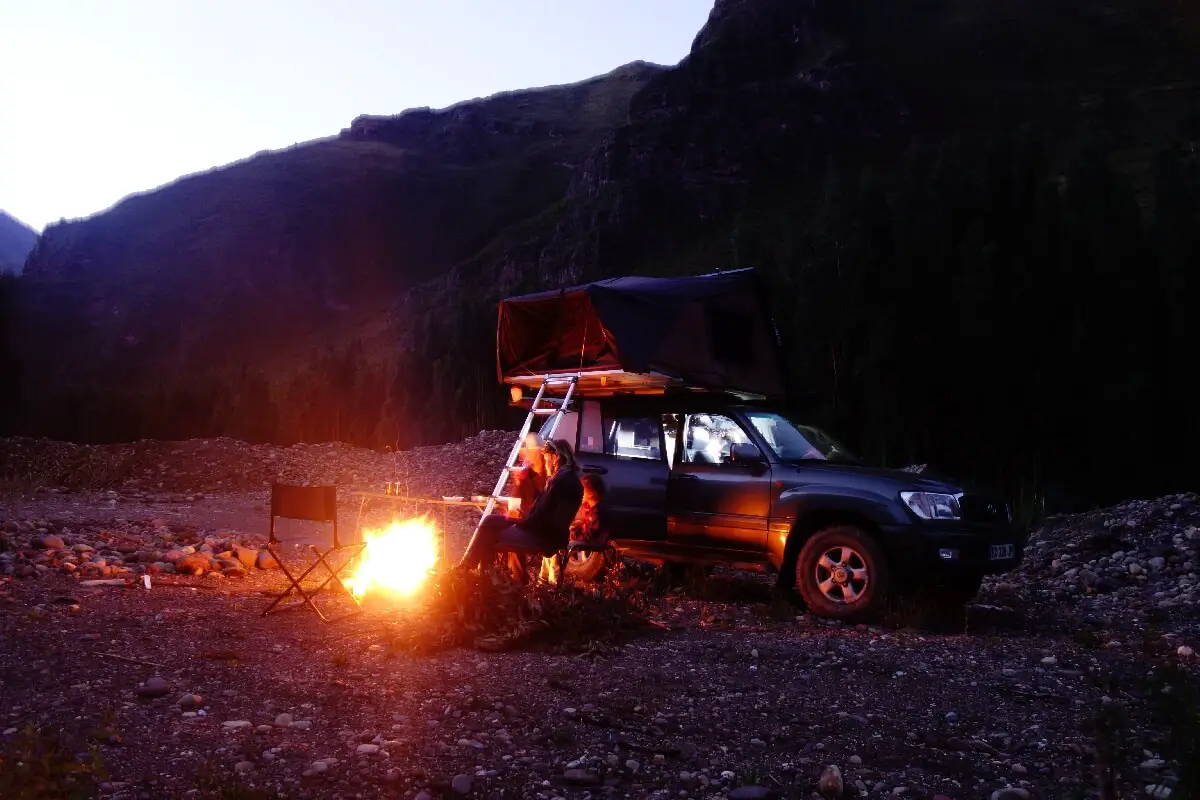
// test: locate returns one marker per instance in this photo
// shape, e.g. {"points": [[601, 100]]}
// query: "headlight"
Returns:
{"points": [[932, 506]]}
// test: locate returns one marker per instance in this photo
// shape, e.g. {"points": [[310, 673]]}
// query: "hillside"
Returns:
{"points": [[269, 255], [1006, 198], [16, 240]]}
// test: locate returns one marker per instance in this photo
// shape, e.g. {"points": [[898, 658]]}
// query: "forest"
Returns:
{"points": [[983, 308]]}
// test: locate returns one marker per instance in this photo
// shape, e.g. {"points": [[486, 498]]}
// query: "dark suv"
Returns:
{"points": [[707, 479]]}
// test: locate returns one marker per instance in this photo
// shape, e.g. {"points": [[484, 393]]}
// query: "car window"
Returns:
{"points": [[633, 437], [707, 438]]}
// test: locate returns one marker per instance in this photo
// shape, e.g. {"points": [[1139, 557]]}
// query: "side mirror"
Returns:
{"points": [[746, 454]]}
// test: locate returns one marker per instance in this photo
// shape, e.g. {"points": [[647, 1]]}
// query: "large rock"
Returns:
{"points": [[194, 563], [246, 555]]}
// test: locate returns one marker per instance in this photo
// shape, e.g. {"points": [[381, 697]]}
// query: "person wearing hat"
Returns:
{"points": [[546, 526]]}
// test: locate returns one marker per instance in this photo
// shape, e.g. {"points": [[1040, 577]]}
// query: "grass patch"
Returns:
{"points": [[37, 766]]}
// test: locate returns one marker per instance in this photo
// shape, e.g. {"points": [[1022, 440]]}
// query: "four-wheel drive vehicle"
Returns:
{"points": [[714, 480], [669, 389]]}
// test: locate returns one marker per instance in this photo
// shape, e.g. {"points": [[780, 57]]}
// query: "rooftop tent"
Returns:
{"points": [[711, 332]]}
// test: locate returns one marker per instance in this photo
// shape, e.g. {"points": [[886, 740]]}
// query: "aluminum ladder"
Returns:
{"points": [[542, 406]]}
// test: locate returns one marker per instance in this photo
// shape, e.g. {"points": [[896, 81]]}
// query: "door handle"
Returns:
{"points": [[686, 476], [596, 470]]}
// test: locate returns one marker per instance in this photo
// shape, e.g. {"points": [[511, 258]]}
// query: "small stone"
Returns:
{"points": [[154, 687], [1135, 568], [367, 749], [190, 702], [283, 721], [263, 729], [632, 765], [1010, 793], [264, 560], [856, 761], [1020, 769], [1184, 651], [581, 777], [242, 767], [831, 784], [951, 717], [236, 724], [1049, 661], [302, 724], [462, 784], [318, 767], [751, 793]]}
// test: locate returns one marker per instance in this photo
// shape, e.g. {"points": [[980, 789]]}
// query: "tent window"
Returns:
{"points": [[731, 337]]}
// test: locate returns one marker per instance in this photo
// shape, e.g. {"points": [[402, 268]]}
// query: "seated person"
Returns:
{"points": [[590, 524], [546, 527], [530, 482]]}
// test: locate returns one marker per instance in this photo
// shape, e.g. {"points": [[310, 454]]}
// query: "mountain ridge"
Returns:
{"points": [[264, 239], [16, 242]]}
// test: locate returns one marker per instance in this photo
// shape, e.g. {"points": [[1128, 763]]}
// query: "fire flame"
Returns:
{"points": [[397, 559]]}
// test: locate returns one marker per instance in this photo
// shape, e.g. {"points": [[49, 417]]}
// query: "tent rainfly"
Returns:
{"points": [[710, 333]]}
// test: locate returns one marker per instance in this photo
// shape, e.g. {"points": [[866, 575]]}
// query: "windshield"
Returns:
{"points": [[792, 442]]}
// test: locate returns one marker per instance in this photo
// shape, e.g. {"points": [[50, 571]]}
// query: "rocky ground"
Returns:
{"points": [[1077, 669]]}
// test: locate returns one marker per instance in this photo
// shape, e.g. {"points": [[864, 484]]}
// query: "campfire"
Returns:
{"points": [[398, 559]]}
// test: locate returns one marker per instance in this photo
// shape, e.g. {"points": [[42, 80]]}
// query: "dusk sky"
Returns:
{"points": [[101, 100]]}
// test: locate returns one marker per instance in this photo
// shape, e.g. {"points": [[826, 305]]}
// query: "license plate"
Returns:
{"points": [[997, 552]]}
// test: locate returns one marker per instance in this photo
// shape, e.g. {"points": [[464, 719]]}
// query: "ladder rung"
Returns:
{"points": [[543, 412]]}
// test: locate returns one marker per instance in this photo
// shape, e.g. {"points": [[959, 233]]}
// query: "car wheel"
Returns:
{"points": [[841, 574], [587, 565]]}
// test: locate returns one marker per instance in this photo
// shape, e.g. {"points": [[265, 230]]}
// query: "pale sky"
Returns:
{"points": [[103, 98]]}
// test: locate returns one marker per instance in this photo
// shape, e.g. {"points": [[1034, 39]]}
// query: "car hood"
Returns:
{"points": [[896, 479]]}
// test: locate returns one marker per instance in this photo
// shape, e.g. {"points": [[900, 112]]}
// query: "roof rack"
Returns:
{"points": [[610, 382]]}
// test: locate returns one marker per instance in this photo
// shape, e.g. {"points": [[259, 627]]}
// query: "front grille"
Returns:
{"points": [[983, 509]]}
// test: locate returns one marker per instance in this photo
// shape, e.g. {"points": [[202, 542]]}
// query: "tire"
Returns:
{"points": [[857, 591], [587, 567]]}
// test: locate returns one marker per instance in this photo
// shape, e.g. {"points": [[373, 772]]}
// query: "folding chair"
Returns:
{"points": [[316, 504]]}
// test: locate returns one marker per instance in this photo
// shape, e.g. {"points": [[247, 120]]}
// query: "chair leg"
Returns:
{"points": [[294, 582]]}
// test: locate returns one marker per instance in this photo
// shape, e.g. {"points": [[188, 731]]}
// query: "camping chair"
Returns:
{"points": [[316, 504]]}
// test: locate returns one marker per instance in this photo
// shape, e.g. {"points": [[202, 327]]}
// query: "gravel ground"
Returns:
{"points": [[1078, 665]]}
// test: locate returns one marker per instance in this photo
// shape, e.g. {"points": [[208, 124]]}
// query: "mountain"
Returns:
{"points": [[16, 240], [264, 257], [978, 221]]}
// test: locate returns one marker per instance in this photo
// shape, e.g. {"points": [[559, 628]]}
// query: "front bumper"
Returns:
{"points": [[955, 547]]}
